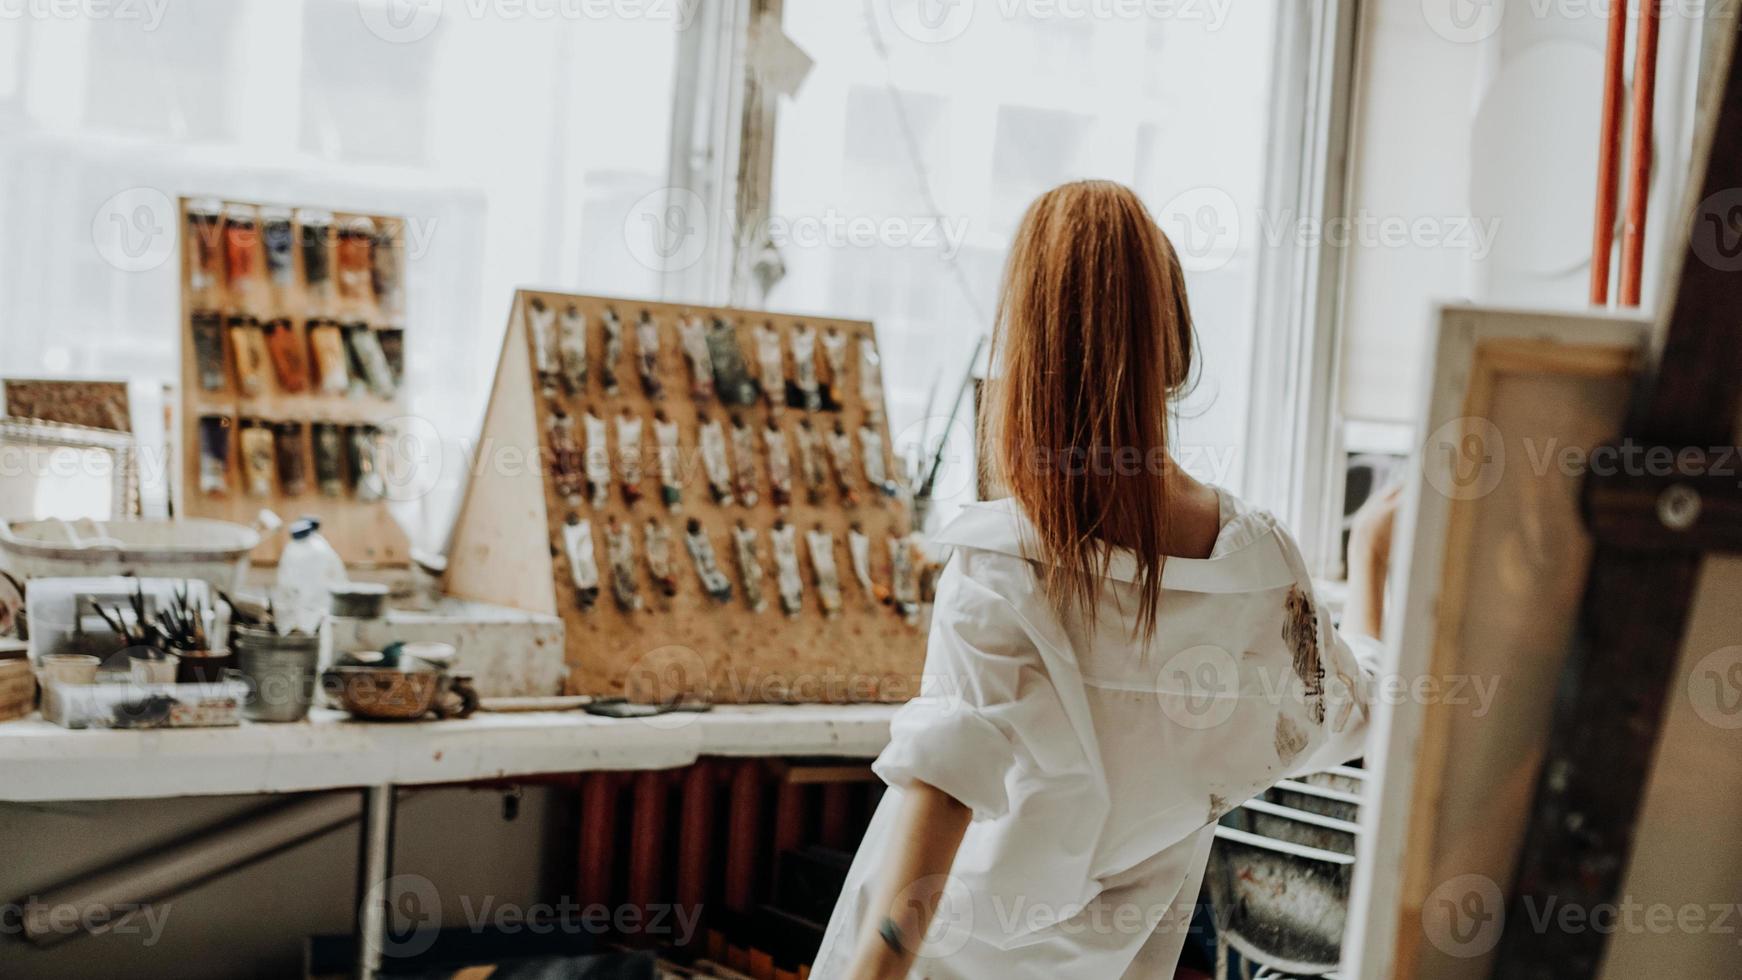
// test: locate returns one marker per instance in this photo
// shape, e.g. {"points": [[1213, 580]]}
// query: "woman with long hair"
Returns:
{"points": [[1119, 654]]}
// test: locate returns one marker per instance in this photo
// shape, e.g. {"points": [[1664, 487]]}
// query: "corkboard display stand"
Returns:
{"points": [[362, 531], [509, 547]]}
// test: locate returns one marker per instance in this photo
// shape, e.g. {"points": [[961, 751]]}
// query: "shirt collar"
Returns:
{"points": [[1249, 555]]}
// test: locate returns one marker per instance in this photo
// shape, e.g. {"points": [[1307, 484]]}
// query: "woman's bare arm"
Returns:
{"points": [[1370, 563], [928, 830]]}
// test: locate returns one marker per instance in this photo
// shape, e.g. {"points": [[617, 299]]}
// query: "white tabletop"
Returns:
{"points": [[41, 761]]}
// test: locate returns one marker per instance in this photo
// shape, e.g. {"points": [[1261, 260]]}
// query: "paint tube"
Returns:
{"points": [[572, 350], [620, 551], [714, 581], [206, 239], [629, 456], [356, 264], [392, 340], [242, 255], [810, 461], [804, 367], [613, 352], [255, 441], [828, 576], [834, 387], [670, 462], [871, 455], [583, 565], [317, 253], [387, 274], [647, 356], [841, 457], [693, 337], [779, 464], [596, 460], [215, 455], [566, 457], [367, 481], [732, 379], [332, 372], [208, 328], [656, 539], [287, 448], [870, 375], [252, 360], [771, 363], [541, 324], [366, 351], [744, 463], [859, 550], [289, 355], [357, 372], [715, 462], [749, 566], [904, 576], [787, 578], [279, 240], [329, 446]]}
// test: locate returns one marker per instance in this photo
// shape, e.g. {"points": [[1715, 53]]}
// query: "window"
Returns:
{"points": [[485, 126], [931, 137]]}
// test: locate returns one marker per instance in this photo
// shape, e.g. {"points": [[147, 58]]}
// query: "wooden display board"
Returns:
{"points": [[226, 273], [1493, 572], [509, 545]]}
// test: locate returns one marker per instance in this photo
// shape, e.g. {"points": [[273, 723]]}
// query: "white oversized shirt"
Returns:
{"points": [[1096, 765]]}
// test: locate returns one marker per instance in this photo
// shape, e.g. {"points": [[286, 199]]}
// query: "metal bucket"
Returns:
{"points": [[279, 671]]}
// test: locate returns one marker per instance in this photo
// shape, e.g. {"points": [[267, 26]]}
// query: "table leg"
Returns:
{"points": [[374, 868]]}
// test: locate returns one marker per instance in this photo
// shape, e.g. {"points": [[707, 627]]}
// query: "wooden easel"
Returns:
{"points": [[1653, 533]]}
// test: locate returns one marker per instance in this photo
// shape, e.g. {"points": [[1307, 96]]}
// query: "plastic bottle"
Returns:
{"points": [[307, 569]]}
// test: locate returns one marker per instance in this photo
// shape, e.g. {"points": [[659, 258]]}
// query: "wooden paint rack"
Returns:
{"points": [[279, 308], [527, 488]]}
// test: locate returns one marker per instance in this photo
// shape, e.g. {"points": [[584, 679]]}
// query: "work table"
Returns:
{"points": [[41, 761]]}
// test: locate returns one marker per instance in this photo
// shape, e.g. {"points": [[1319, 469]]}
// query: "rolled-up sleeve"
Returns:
{"points": [[984, 694]]}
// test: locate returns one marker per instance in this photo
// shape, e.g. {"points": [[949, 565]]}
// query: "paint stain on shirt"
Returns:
{"points": [[1300, 631], [1290, 740]]}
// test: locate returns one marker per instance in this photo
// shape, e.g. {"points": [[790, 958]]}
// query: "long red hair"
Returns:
{"points": [[1093, 339]]}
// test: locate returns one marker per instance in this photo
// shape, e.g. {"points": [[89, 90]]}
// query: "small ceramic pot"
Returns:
{"points": [[158, 669], [204, 666], [69, 668], [390, 694]]}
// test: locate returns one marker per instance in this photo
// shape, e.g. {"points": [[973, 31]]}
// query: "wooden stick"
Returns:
{"points": [[1639, 154], [1608, 153]]}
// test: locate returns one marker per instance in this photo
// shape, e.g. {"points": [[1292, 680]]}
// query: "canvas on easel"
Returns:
{"points": [[706, 496], [1491, 582]]}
